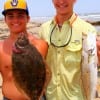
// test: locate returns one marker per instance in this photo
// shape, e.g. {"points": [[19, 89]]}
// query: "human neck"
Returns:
{"points": [[62, 18]]}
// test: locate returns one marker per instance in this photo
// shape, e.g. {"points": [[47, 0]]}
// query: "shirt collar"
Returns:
{"points": [[70, 20]]}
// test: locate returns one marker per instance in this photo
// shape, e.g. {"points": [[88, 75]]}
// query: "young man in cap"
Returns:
{"points": [[16, 16]]}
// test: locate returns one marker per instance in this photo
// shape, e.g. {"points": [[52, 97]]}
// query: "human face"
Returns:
{"points": [[64, 7], [16, 20]]}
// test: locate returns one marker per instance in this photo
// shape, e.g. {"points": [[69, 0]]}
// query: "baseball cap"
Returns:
{"points": [[15, 4]]}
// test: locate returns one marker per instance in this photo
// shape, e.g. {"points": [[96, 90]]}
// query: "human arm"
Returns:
{"points": [[41, 45], [1, 44], [98, 48], [48, 75], [47, 80]]}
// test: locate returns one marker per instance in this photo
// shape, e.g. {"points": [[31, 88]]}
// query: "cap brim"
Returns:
{"points": [[5, 11]]}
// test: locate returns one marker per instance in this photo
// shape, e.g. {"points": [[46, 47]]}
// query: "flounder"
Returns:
{"points": [[28, 68]]}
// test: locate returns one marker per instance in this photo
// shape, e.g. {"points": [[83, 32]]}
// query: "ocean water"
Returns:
{"points": [[91, 17], [88, 17]]}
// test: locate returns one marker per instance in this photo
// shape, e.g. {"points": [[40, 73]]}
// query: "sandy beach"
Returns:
{"points": [[33, 28]]}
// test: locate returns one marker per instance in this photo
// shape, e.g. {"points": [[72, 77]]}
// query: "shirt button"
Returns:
{"points": [[58, 73], [59, 40], [58, 51], [58, 85]]}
